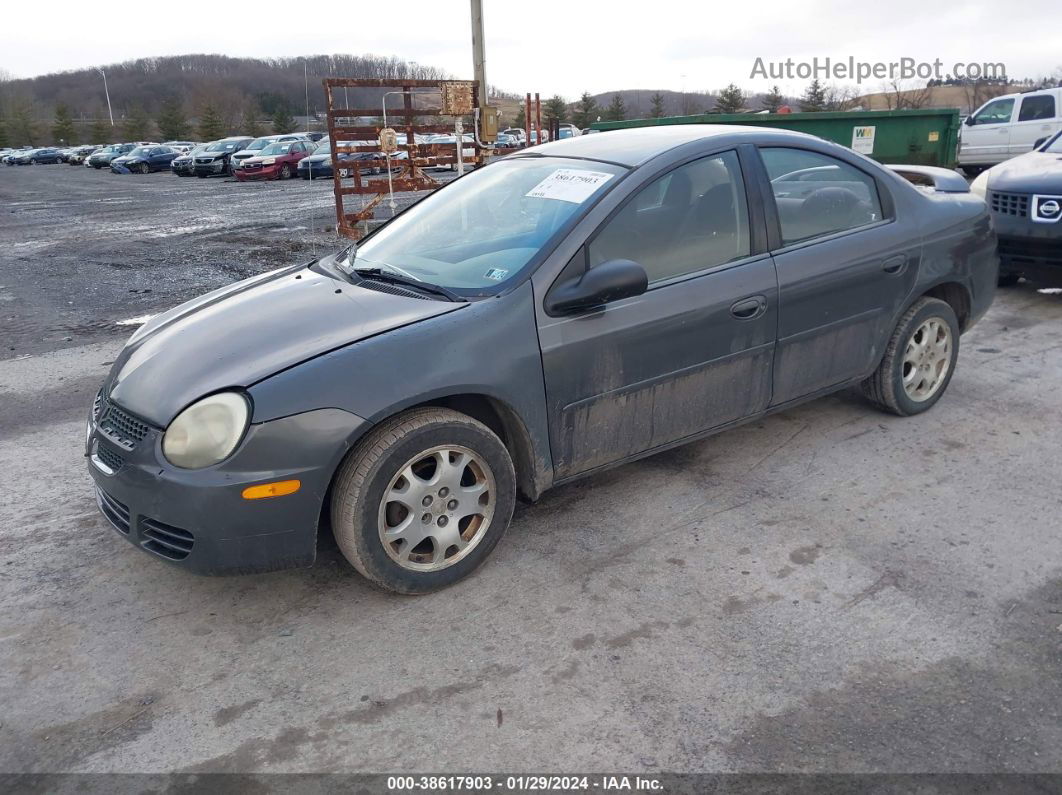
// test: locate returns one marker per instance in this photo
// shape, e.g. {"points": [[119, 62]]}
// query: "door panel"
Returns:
{"points": [[654, 369], [988, 138], [837, 299], [843, 270]]}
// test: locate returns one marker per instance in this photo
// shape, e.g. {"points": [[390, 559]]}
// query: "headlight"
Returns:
{"points": [[206, 432], [980, 184], [269, 161]]}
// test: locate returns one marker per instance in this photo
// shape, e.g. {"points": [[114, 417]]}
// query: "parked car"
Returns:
{"points": [[1024, 195], [214, 160], [180, 146], [78, 156], [184, 164], [517, 133], [447, 147], [277, 161], [104, 156], [39, 157], [632, 281], [145, 159], [257, 145], [9, 157], [1008, 126]]}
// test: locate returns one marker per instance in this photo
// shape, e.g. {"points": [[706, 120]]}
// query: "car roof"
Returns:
{"points": [[633, 146]]}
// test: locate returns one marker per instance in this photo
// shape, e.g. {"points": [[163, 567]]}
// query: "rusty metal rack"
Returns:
{"points": [[456, 99]]}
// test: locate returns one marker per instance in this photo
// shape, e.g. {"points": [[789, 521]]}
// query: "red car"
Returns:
{"points": [[277, 161]]}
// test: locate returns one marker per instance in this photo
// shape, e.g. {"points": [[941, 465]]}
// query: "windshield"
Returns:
{"points": [[480, 231], [223, 146], [277, 148], [140, 151], [258, 143]]}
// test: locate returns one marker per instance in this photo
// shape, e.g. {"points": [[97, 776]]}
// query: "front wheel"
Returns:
{"points": [[144, 168], [919, 359], [285, 171], [423, 500]]}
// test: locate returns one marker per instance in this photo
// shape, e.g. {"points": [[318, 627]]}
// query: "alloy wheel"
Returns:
{"points": [[437, 508], [927, 359]]}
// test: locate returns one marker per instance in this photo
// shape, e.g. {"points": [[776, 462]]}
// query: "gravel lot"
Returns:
{"points": [[830, 589]]}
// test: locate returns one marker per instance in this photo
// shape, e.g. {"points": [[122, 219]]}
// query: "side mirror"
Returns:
{"points": [[969, 121], [609, 281]]}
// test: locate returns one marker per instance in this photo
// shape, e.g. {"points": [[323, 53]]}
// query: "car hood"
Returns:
{"points": [[1034, 172], [248, 331]]}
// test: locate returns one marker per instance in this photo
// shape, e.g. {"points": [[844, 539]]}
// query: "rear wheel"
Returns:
{"points": [[423, 500], [919, 359]]}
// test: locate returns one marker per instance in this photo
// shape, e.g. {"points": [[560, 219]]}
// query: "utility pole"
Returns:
{"points": [[479, 57], [108, 93]]}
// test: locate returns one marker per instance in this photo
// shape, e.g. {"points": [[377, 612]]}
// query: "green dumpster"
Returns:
{"points": [[925, 137]]}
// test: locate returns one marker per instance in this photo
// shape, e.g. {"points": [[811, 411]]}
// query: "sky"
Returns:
{"points": [[569, 47]]}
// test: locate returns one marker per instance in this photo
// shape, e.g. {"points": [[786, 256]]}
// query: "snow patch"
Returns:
{"points": [[134, 321]]}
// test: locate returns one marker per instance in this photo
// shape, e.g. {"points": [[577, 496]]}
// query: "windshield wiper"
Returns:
{"points": [[390, 277]]}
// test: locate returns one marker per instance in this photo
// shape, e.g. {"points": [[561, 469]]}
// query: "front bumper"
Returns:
{"points": [[264, 172], [1029, 248], [210, 169], [198, 519]]}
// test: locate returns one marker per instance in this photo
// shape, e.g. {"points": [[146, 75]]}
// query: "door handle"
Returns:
{"points": [[895, 264], [749, 308]]}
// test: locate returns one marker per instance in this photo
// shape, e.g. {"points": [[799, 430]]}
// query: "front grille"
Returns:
{"points": [[120, 427], [109, 457], [1016, 204], [116, 513], [165, 539], [204, 161], [391, 289]]}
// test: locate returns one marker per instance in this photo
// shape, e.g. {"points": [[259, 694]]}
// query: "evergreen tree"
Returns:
{"points": [[21, 126], [773, 100], [171, 121], [210, 126], [586, 112], [520, 119], [249, 124], [814, 99], [4, 141], [656, 105], [63, 126], [731, 100], [282, 121], [617, 109], [100, 132], [556, 108], [137, 124]]}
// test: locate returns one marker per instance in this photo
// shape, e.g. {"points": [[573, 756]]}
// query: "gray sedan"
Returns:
{"points": [[562, 310]]}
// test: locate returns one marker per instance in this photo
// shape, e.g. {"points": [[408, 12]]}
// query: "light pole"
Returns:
{"points": [[108, 93]]}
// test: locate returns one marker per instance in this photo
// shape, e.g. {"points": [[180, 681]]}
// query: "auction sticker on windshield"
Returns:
{"points": [[569, 185]]}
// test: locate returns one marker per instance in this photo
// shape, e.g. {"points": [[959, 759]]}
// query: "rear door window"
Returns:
{"points": [[818, 195], [1037, 107]]}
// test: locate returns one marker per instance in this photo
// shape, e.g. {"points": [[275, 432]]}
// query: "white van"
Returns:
{"points": [[1009, 125]]}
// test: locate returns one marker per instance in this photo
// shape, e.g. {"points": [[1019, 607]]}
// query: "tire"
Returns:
{"points": [[96, 167], [285, 172], [410, 442], [928, 365], [1008, 279], [972, 171], [145, 168]]}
